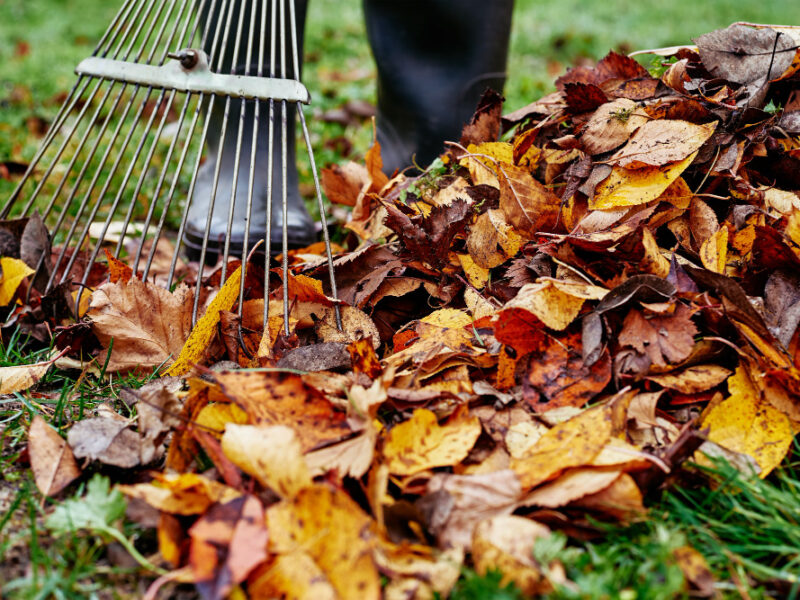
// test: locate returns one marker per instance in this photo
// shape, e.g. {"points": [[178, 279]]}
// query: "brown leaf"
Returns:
{"points": [[611, 125], [664, 339], [745, 55], [148, 324], [485, 123], [52, 461], [456, 503], [528, 205], [107, 439], [492, 240], [558, 372], [662, 141], [571, 486]]}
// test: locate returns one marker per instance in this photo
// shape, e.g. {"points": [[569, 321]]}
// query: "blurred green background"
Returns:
{"points": [[41, 41]]}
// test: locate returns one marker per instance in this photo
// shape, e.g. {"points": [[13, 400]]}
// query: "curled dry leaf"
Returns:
{"points": [[492, 240], [692, 380], [20, 378], [571, 486], [611, 125], [148, 324], [52, 461]]}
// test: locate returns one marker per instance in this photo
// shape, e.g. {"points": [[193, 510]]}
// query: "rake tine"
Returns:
{"points": [[237, 155], [204, 247], [132, 164], [270, 155], [164, 170], [131, 41], [104, 159], [252, 173], [284, 190], [320, 204], [170, 194]]}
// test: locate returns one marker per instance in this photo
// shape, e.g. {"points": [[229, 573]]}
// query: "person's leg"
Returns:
{"points": [[299, 224], [435, 58]]}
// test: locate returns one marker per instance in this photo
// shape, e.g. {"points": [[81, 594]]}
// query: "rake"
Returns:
{"points": [[103, 157]]}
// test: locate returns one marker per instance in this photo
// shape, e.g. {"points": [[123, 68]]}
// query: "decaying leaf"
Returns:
{"points": [[421, 443]]}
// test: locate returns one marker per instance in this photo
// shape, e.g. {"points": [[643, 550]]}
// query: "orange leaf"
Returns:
{"points": [[364, 359], [117, 270]]}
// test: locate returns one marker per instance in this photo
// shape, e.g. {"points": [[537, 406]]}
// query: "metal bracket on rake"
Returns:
{"points": [[198, 78]]}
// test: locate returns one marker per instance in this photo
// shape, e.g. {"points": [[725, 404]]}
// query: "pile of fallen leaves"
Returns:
{"points": [[536, 334]]}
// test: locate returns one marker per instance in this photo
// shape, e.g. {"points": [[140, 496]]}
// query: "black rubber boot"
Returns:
{"points": [[435, 59], [300, 226]]}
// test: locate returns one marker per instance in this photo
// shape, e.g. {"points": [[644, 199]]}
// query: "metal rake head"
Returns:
{"points": [[127, 143]]}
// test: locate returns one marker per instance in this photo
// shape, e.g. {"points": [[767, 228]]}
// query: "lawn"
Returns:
{"points": [[746, 528]]}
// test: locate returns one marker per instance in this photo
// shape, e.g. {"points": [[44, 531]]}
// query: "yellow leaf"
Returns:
{"points": [[333, 531], [555, 303], [572, 443], [451, 318], [500, 151], [748, 424], [271, 454], [206, 327], [20, 378], [631, 187], [653, 261], [714, 251], [492, 240], [216, 416], [421, 443], [477, 275], [12, 274], [291, 575], [185, 494]]}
